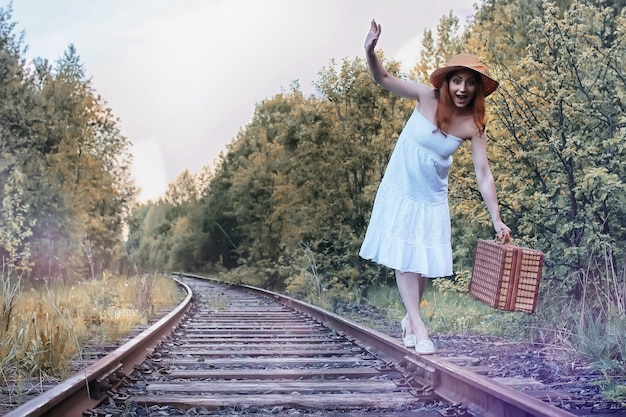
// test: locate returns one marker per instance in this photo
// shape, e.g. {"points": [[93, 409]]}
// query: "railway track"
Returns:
{"points": [[234, 350]]}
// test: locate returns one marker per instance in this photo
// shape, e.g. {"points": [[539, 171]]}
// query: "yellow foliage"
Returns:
{"points": [[48, 326]]}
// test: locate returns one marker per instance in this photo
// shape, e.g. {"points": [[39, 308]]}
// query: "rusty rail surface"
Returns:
{"points": [[89, 387], [449, 382]]}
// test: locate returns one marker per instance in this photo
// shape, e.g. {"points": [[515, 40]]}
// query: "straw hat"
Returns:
{"points": [[464, 61]]}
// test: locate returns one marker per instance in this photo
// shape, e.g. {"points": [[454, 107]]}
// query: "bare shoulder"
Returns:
{"points": [[479, 139]]}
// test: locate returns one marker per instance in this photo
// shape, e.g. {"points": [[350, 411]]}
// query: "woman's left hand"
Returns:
{"points": [[501, 229]]}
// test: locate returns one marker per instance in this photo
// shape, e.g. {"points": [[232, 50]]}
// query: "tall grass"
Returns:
{"points": [[45, 327], [591, 323], [445, 310]]}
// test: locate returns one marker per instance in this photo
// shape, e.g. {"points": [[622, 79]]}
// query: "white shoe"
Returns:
{"points": [[408, 340], [425, 347]]}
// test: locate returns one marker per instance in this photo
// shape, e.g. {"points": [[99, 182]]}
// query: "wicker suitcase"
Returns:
{"points": [[506, 276]]}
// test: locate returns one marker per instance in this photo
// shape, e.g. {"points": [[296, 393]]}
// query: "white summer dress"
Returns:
{"points": [[409, 229]]}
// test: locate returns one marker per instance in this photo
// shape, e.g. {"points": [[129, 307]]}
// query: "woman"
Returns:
{"points": [[409, 229]]}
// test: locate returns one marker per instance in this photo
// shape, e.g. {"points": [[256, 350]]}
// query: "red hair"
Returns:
{"points": [[443, 117]]}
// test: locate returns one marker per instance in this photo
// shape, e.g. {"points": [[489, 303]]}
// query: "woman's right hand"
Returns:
{"points": [[372, 36]]}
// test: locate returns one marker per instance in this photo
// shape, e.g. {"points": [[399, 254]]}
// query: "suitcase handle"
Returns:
{"points": [[506, 238]]}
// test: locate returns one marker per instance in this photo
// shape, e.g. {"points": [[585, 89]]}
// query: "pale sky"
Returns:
{"points": [[184, 76]]}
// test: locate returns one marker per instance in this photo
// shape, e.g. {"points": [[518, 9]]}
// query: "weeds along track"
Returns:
{"points": [[238, 350]]}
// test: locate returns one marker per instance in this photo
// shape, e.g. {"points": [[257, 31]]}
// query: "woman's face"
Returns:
{"points": [[462, 86]]}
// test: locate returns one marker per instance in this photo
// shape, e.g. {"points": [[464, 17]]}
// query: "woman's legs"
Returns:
{"points": [[411, 287]]}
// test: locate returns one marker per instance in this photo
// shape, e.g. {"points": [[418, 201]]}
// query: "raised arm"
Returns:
{"points": [[403, 88], [486, 183]]}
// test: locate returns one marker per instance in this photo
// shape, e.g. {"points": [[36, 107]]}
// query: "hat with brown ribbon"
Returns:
{"points": [[464, 61]]}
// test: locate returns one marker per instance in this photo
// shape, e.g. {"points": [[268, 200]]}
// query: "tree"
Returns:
{"points": [[20, 137], [185, 190], [559, 127], [64, 165], [89, 192]]}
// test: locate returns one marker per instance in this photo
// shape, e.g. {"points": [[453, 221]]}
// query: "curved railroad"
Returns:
{"points": [[230, 349]]}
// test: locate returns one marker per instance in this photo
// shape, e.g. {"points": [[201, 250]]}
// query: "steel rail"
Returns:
{"points": [[482, 396], [450, 382], [88, 388]]}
